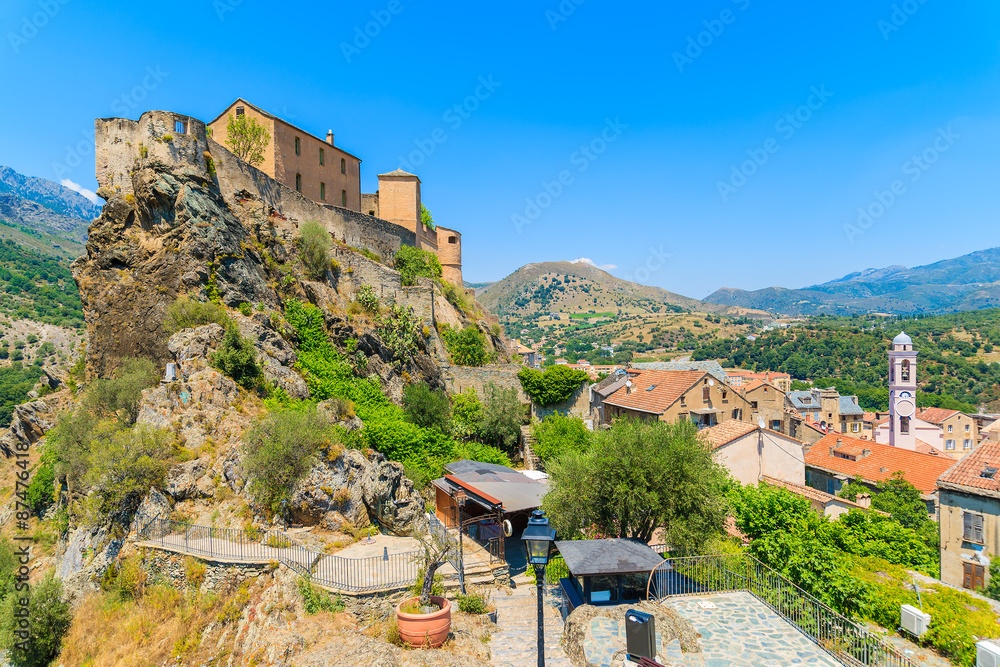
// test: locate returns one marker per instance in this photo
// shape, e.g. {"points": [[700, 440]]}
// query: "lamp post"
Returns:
{"points": [[538, 538], [284, 513], [460, 499]]}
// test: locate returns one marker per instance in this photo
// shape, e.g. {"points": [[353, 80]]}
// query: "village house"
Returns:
{"points": [[959, 431], [739, 377], [825, 504], [751, 453], [770, 405], [837, 459], [829, 409], [970, 517], [676, 395]]}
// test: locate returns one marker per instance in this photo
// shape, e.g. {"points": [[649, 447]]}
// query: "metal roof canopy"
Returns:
{"points": [[493, 486], [610, 556]]}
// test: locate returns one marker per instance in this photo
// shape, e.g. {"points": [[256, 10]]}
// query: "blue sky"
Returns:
{"points": [[689, 145]]}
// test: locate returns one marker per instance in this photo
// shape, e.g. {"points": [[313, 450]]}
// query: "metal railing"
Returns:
{"points": [[349, 575], [849, 642]]}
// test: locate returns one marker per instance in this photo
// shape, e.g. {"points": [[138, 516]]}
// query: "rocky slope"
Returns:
{"points": [[51, 195]]}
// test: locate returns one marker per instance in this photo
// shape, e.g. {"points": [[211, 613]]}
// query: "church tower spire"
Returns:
{"points": [[902, 392]]}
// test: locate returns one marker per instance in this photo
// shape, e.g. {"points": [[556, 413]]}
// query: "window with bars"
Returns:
{"points": [[972, 527]]}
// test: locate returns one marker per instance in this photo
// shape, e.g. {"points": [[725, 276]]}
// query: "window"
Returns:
{"points": [[706, 393], [298, 182], [972, 527], [949, 444], [776, 425], [829, 486], [371, 213], [454, 239], [343, 197], [753, 404], [904, 425], [854, 427], [950, 428], [239, 111], [905, 372], [180, 127], [604, 588], [343, 166], [298, 146], [973, 575], [321, 157], [966, 428], [322, 191], [967, 444]]}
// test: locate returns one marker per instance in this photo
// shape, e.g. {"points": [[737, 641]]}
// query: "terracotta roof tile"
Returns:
{"points": [[935, 415], [927, 448], [654, 391], [969, 471], [727, 431], [920, 470]]}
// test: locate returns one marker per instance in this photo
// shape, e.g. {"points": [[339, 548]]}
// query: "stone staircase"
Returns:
{"points": [[531, 461], [517, 613]]}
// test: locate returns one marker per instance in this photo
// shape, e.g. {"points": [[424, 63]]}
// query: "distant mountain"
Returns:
{"points": [[49, 194], [579, 288], [969, 282]]}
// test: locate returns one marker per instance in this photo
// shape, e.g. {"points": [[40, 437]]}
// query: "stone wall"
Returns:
{"points": [[460, 378], [170, 567], [357, 270], [369, 204], [577, 405]]}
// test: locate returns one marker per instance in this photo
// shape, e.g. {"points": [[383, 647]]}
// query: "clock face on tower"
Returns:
{"points": [[904, 406]]}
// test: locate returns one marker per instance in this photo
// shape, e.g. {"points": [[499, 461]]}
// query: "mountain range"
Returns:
{"points": [[969, 282], [42, 215]]}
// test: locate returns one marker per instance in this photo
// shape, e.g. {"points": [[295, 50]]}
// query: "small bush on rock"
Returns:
{"points": [[236, 358], [314, 249], [185, 313], [416, 262]]}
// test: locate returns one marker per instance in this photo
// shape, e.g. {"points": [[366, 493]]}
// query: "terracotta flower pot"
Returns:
{"points": [[425, 629]]}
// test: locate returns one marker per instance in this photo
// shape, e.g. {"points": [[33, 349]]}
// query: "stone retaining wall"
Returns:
{"points": [[218, 576]]}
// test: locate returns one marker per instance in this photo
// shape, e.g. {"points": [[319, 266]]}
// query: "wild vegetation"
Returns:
{"points": [[247, 138], [37, 287], [553, 385]]}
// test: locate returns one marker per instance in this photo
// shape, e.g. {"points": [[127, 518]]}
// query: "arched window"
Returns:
{"points": [[905, 374], [892, 372], [904, 425]]}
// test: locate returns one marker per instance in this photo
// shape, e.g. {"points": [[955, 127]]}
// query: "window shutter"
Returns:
{"points": [[978, 527], [967, 575], [967, 527]]}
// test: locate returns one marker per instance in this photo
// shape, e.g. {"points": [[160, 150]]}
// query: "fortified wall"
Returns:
{"points": [[181, 142]]}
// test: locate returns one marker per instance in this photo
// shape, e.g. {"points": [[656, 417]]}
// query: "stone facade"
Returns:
{"points": [[316, 168], [218, 575], [959, 556], [460, 378]]}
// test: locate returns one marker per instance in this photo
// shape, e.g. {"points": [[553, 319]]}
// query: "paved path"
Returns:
{"points": [[515, 644], [740, 631]]}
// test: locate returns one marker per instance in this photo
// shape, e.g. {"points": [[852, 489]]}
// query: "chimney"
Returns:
{"points": [[840, 442], [864, 499], [329, 137], [865, 452]]}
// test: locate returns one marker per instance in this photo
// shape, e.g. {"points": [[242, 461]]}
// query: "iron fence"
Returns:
{"points": [[851, 643], [349, 575]]}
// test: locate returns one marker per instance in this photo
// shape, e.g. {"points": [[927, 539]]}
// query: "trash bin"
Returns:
{"points": [[640, 634]]}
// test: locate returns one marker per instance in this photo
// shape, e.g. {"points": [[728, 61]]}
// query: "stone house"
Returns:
{"points": [[829, 409], [751, 452], [837, 459], [674, 395], [770, 404], [970, 517], [295, 158], [959, 431]]}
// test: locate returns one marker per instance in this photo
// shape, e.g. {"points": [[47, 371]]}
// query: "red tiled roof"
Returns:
{"points": [[667, 387], [756, 383], [935, 415], [920, 470], [727, 431], [968, 472], [927, 448]]}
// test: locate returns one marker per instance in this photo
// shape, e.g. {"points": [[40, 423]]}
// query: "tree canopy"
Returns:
{"points": [[553, 385], [247, 138]]}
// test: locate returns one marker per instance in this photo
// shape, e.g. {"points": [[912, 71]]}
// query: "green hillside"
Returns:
{"points": [[37, 287]]}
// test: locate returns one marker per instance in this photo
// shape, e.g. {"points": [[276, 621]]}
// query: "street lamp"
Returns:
{"points": [[460, 499], [284, 513], [538, 538]]}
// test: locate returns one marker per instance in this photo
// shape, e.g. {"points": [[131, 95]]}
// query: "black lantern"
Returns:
{"points": [[538, 538]]}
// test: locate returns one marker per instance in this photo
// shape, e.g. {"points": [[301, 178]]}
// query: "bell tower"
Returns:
{"points": [[902, 392]]}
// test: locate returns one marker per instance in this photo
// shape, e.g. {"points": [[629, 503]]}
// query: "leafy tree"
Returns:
{"points": [[901, 500], [236, 358], [637, 477], [124, 469], [48, 617], [467, 413], [764, 509], [426, 218], [413, 263], [559, 434], [853, 489], [501, 417], [121, 395], [281, 448], [467, 346], [247, 138], [992, 589], [314, 249], [553, 385], [426, 407]]}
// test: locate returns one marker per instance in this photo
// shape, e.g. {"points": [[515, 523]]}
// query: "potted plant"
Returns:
{"points": [[425, 620]]}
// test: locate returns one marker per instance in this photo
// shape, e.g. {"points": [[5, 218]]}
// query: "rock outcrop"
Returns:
{"points": [[28, 424], [595, 636], [359, 490]]}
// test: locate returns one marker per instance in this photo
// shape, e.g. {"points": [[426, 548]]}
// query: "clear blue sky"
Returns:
{"points": [[682, 118]]}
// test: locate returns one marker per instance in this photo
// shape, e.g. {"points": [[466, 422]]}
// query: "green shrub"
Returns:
{"points": [[477, 451], [367, 298], [467, 413], [315, 600], [466, 347], [121, 395], [123, 469], [426, 407], [399, 331], [558, 434], [245, 309], [40, 491], [426, 218], [474, 603], [185, 313], [413, 263], [458, 297], [551, 386], [48, 617], [314, 249], [502, 415], [281, 448], [236, 358]]}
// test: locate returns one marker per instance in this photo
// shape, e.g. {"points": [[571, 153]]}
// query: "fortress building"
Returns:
{"points": [[329, 175]]}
